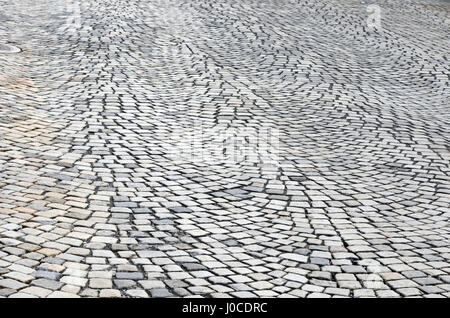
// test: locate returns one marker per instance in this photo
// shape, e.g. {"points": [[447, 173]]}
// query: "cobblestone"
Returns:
{"points": [[103, 192]]}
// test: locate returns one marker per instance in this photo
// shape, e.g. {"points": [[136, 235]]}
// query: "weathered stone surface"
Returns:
{"points": [[224, 149]]}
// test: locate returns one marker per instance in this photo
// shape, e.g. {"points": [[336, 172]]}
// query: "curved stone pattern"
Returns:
{"points": [[356, 204]]}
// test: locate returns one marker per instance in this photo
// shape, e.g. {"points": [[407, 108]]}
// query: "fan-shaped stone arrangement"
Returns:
{"points": [[102, 191]]}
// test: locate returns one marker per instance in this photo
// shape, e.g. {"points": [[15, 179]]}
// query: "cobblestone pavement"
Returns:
{"points": [[94, 201]]}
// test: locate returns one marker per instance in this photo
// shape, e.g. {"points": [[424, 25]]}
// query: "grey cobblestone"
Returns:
{"points": [[98, 199]]}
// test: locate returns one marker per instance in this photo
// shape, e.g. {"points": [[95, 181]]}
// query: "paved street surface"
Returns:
{"points": [[103, 194]]}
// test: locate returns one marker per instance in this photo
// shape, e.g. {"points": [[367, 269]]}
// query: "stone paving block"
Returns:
{"points": [[36, 291]]}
